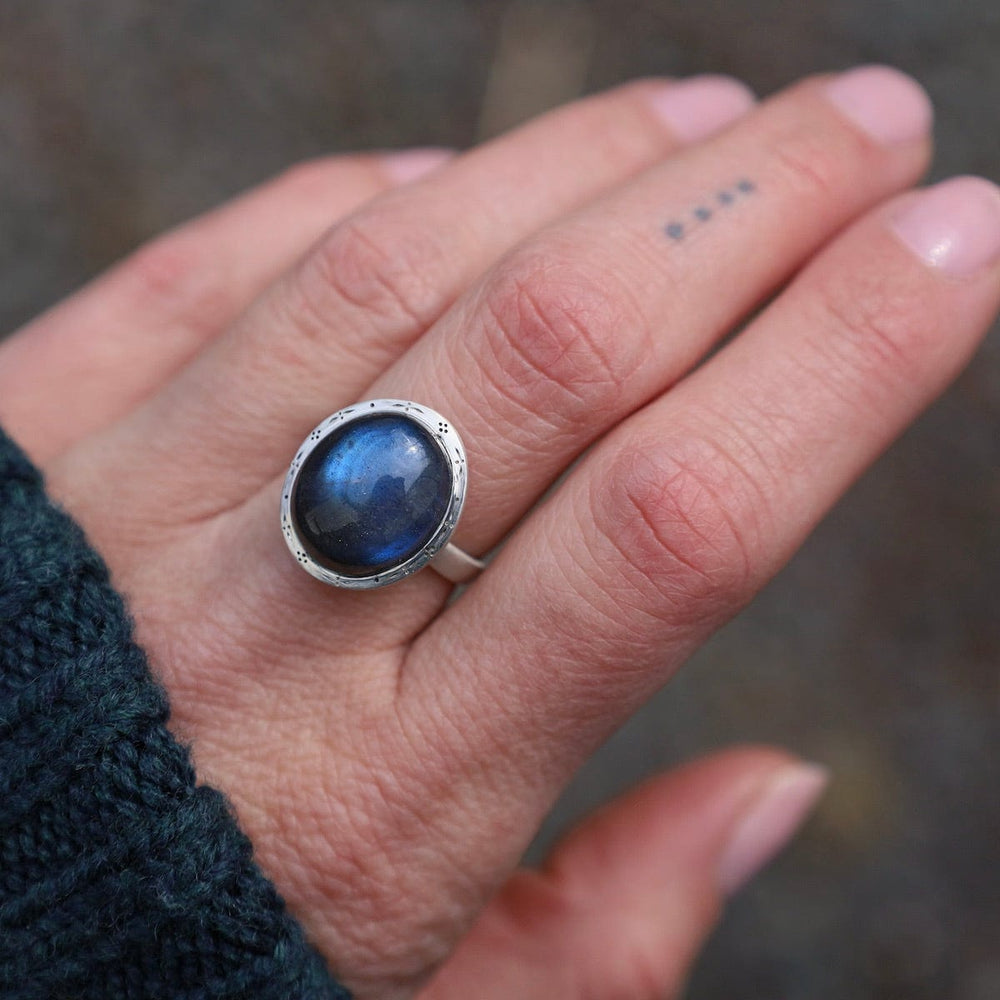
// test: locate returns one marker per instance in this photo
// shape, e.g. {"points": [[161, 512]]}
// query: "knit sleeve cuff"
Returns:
{"points": [[120, 876]]}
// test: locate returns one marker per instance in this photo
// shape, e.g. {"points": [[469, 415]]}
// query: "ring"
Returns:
{"points": [[374, 494]]}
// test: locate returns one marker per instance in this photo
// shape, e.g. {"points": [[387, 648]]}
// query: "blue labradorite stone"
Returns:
{"points": [[371, 494]]}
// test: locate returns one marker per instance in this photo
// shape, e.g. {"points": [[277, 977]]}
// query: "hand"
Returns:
{"points": [[390, 753]]}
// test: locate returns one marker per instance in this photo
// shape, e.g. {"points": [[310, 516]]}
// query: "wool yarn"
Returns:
{"points": [[120, 875]]}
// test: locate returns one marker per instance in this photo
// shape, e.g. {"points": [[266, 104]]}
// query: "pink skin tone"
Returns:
{"points": [[391, 754], [953, 227]]}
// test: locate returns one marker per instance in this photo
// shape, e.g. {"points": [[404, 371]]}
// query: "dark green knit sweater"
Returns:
{"points": [[120, 877]]}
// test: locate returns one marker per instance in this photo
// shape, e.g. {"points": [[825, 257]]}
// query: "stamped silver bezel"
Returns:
{"points": [[446, 438]]}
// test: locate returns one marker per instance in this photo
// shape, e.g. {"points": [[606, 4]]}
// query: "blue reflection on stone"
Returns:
{"points": [[372, 494]]}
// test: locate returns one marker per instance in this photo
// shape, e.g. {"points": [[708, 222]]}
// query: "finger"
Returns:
{"points": [[623, 904], [88, 360], [676, 519], [600, 313], [380, 279]]}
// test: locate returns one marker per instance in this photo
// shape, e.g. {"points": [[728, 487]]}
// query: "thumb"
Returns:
{"points": [[624, 902]]}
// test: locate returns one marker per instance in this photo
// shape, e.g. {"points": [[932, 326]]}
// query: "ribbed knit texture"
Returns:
{"points": [[120, 877]]}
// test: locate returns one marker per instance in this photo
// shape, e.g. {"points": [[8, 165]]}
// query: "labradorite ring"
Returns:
{"points": [[374, 494]]}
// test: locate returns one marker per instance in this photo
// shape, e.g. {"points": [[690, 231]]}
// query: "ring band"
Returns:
{"points": [[456, 565], [374, 494]]}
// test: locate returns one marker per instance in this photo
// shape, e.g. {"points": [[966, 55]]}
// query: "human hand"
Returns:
{"points": [[391, 754]]}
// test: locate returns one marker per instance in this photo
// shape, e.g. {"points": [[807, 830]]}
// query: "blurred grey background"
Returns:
{"points": [[877, 651]]}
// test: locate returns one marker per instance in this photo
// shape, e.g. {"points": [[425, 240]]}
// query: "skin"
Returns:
{"points": [[390, 754]]}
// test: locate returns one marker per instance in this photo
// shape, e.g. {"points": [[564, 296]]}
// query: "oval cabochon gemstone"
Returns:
{"points": [[371, 494]]}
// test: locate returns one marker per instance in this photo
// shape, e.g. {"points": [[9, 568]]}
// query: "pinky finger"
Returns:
{"points": [[89, 360], [623, 904]]}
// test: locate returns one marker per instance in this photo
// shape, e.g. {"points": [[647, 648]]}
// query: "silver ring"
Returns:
{"points": [[374, 494]]}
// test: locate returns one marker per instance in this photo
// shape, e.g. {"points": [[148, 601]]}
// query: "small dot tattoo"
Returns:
{"points": [[701, 213]]}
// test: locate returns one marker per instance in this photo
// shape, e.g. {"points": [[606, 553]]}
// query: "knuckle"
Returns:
{"points": [[559, 893], [371, 263], [172, 277], [558, 336], [876, 328], [683, 520], [622, 125], [810, 162]]}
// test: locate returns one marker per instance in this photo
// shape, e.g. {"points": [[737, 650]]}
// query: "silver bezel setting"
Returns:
{"points": [[446, 438]]}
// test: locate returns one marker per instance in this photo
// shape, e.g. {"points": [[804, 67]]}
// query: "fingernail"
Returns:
{"points": [[769, 822], [694, 109], [889, 105], [954, 226], [412, 164]]}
